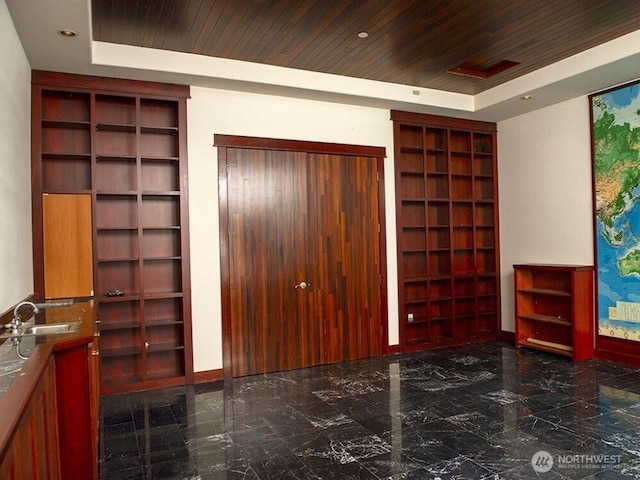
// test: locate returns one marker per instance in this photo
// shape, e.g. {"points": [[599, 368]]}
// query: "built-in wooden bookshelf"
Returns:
{"points": [[123, 143], [447, 224]]}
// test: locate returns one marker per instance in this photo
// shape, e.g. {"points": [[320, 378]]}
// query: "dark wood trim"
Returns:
{"points": [[106, 84], [232, 141], [440, 121], [139, 273], [611, 89], [617, 350], [382, 238], [185, 246], [390, 350], [451, 342], [506, 336], [601, 343], [298, 146], [617, 357], [36, 193], [142, 386], [209, 376], [225, 277], [399, 253], [496, 229]]}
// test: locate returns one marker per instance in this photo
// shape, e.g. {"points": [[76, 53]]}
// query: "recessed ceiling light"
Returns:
{"points": [[363, 35], [526, 97], [67, 33]]}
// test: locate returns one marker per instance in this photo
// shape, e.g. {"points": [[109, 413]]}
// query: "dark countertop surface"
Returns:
{"points": [[11, 364]]}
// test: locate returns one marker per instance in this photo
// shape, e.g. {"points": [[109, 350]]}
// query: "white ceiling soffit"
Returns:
{"points": [[39, 21]]}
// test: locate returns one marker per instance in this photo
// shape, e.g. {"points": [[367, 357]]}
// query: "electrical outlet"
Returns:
{"points": [[409, 317]]}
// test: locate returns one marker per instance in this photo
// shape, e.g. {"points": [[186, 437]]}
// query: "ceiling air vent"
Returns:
{"points": [[471, 69]]}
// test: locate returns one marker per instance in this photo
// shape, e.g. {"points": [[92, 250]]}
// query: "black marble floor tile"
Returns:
{"points": [[458, 468], [123, 444], [478, 411]]}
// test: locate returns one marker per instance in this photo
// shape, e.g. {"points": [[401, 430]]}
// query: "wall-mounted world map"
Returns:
{"points": [[616, 153]]}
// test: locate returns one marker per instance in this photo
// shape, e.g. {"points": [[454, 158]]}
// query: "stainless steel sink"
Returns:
{"points": [[43, 329], [52, 328]]}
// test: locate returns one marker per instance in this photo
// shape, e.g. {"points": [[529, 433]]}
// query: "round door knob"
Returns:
{"points": [[302, 285]]}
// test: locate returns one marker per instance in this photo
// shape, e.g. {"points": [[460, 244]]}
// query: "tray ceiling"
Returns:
{"points": [[409, 42]]}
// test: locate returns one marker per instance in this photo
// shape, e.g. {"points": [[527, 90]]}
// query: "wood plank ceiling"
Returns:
{"points": [[410, 42]]}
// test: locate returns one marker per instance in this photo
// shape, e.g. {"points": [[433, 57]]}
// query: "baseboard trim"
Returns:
{"points": [[208, 376], [617, 350], [617, 357], [500, 335], [390, 350], [507, 336]]}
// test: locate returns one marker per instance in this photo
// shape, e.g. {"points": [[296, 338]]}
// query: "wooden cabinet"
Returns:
{"points": [[48, 430], [123, 143], [29, 429], [447, 224], [68, 251], [554, 309]]}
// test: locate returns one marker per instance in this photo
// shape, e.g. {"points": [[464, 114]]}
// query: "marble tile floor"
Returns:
{"points": [[478, 411]]}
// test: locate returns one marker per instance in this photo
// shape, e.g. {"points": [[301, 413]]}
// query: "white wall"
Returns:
{"points": [[545, 189], [544, 176], [16, 266], [226, 112]]}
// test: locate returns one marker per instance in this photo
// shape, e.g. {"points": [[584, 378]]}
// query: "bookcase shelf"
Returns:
{"points": [[127, 149], [448, 252], [554, 309]]}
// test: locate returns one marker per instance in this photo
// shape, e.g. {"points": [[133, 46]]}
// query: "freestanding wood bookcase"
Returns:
{"points": [[447, 224], [123, 143], [554, 309]]}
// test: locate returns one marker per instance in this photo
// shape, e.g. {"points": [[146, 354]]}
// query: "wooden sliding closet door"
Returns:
{"points": [[304, 267]]}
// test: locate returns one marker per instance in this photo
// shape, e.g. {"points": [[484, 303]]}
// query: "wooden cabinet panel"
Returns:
{"points": [[68, 250], [448, 252], [94, 400], [33, 450], [74, 412]]}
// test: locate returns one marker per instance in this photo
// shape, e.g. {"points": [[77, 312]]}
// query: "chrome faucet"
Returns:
{"points": [[16, 323]]}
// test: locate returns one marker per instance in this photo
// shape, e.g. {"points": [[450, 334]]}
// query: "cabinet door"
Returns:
{"points": [[68, 252]]}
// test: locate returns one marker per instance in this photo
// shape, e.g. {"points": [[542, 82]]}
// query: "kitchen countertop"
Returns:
{"points": [[11, 365]]}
